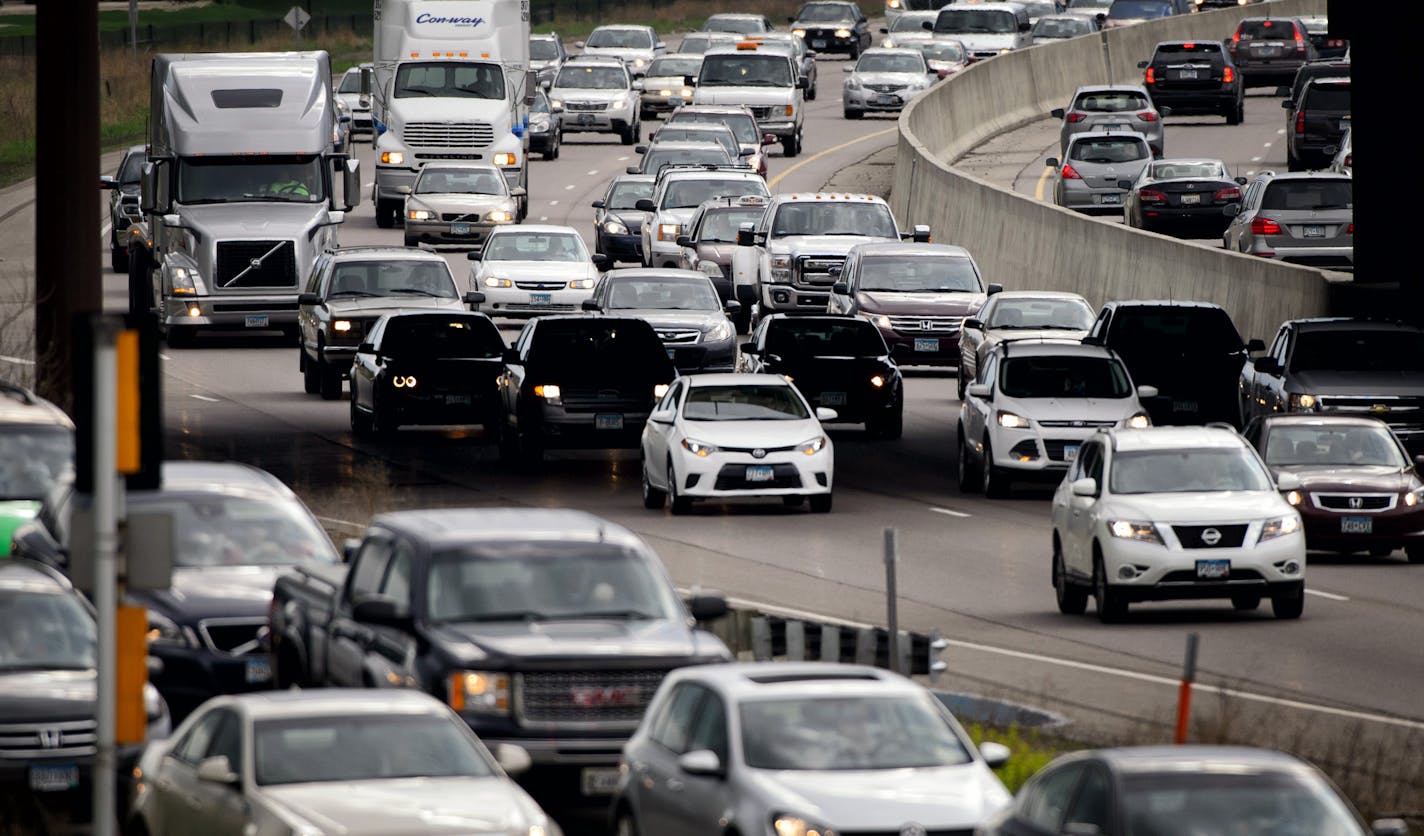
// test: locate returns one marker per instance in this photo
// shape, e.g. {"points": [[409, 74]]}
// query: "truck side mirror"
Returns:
{"points": [[108, 182], [148, 188], [645, 205], [366, 82], [840, 289], [746, 237], [591, 305], [707, 606], [309, 299], [995, 287], [351, 188], [683, 241]]}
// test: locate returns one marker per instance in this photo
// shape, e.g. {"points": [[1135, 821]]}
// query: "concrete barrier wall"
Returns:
{"points": [[1025, 244]]}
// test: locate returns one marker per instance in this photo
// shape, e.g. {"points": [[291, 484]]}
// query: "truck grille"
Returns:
{"points": [[56, 738], [607, 400], [448, 134], [761, 111], [939, 324], [816, 270], [276, 264], [585, 107], [233, 636], [586, 696]]}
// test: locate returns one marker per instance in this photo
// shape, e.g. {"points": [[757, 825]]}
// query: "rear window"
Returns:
{"points": [[1124, 149], [1111, 101], [1266, 30], [1333, 96], [1334, 193], [1208, 329], [442, 338], [1211, 49]]}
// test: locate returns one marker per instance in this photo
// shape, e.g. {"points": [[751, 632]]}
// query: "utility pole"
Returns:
{"points": [[106, 595]]}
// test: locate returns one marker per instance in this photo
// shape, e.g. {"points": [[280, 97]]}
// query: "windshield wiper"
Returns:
{"points": [[414, 90], [526, 617], [351, 293], [631, 614], [417, 290]]}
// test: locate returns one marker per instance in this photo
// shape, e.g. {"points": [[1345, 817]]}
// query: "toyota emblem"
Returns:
{"points": [[914, 829], [1211, 537], [758, 453], [1357, 502]]}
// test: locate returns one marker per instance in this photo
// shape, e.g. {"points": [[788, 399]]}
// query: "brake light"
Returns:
{"points": [[1228, 193], [1151, 76], [1069, 174], [1299, 43], [1077, 117], [1189, 46], [1147, 116], [1300, 122], [1349, 160], [1228, 75], [1151, 196], [1350, 230], [1265, 226]]}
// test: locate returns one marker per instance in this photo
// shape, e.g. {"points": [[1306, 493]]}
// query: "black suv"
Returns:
{"points": [[586, 382], [1318, 118], [1195, 77], [1268, 51], [1190, 351], [123, 204], [821, 22]]}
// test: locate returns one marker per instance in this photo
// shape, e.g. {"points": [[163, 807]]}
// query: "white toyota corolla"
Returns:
{"points": [[724, 436]]}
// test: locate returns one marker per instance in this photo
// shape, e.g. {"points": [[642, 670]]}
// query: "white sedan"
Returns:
{"points": [[359, 761], [725, 436], [530, 269]]}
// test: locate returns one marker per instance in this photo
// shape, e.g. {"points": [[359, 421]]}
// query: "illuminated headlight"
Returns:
{"points": [[686, 92], [664, 93], [1140, 421], [392, 157], [153, 707], [1294, 498], [888, 43], [1279, 527], [183, 279], [549, 392], [892, 4], [842, 33], [492, 281], [501, 216], [341, 325], [615, 228], [479, 692], [504, 159], [1414, 497], [1012, 421], [581, 284], [403, 381], [164, 632], [1303, 403], [639, 63], [813, 446], [800, 33], [877, 381], [794, 826], [669, 232], [697, 448], [1144, 532], [418, 214], [720, 331], [556, 103], [659, 389], [1005, 50], [195, 311], [880, 320]]}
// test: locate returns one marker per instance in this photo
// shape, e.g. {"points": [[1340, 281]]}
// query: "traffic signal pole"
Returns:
{"points": [[105, 589]]}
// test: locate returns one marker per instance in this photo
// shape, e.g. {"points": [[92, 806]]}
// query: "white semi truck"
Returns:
{"points": [[451, 81]]}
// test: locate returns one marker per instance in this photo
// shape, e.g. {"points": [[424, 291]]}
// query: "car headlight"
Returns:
{"points": [[721, 331], [581, 284], [1011, 420], [686, 92], [785, 825], [342, 325], [659, 389], [164, 631], [878, 381], [495, 281], [1279, 527], [539, 123], [418, 214], [1303, 403], [697, 448], [1414, 496], [556, 103], [711, 268], [842, 33], [501, 216], [505, 159], [615, 228], [1144, 532], [1140, 421], [880, 320], [852, 83], [479, 692], [669, 232], [639, 63], [812, 446], [392, 157], [183, 278], [403, 381], [780, 262], [549, 392], [888, 43], [800, 33], [664, 93], [1295, 498]]}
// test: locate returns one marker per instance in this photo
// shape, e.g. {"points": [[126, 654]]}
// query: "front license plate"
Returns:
{"points": [[833, 398], [55, 778], [457, 400], [1357, 525], [541, 299], [818, 44], [599, 780], [608, 422], [1111, 199], [1191, 199], [1070, 452], [887, 99], [927, 344], [1314, 232], [760, 473], [256, 321], [1213, 570], [459, 229], [676, 101], [585, 118], [1184, 406], [258, 671]]}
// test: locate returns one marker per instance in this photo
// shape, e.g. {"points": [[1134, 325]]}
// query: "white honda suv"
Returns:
{"points": [[1175, 512]]}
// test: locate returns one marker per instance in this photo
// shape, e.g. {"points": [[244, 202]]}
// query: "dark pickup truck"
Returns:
{"points": [[546, 629]]}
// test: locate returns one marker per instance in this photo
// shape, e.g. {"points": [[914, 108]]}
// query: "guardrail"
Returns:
{"points": [[1025, 244]]}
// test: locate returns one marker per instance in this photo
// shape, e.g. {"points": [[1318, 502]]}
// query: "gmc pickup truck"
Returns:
{"points": [[547, 629]]}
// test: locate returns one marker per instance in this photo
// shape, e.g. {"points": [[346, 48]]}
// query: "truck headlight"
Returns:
{"points": [[549, 392], [581, 284], [479, 692], [1279, 527], [1299, 402], [1144, 532], [392, 157], [183, 278], [418, 214], [504, 159], [669, 232], [780, 262]]}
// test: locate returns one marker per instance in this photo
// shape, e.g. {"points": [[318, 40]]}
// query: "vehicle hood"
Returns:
{"points": [[493, 111], [890, 78], [752, 433], [654, 82], [538, 270], [939, 798], [743, 95], [1358, 383], [29, 696], [983, 41], [820, 244], [13, 514], [214, 592], [716, 253], [608, 637], [995, 335], [662, 319], [398, 806], [631, 218], [847, 23], [1373, 478], [587, 94], [911, 304], [677, 216], [627, 54], [372, 308], [1198, 507], [462, 202], [258, 219], [1072, 409]]}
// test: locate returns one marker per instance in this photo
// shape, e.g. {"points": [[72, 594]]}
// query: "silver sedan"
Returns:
{"points": [[885, 80]]}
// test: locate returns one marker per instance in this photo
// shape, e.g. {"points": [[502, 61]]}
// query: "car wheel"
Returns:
{"points": [[853, 114], [811, 93], [1072, 599], [311, 375], [1245, 603], [508, 444], [970, 477], [961, 379], [411, 241], [383, 421], [1234, 113], [1111, 605], [653, 498], [793, 501], [329, 378], [791, 146], [1288, 606], [996, 482], [360, 421], [1293, 162], [821, 503], [1381, 551], [680, 504], [855, 51]]}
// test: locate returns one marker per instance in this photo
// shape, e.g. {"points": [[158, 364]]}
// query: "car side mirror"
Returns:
{"points": [[1240, 181], [972, 324], [701, 762], [709, 605], [351, 545], [1231, 210], [1389, 827], [995, 287], [632, 169], [1056, 113], [848, 69], [840, 289], [637, 84], [1419, 463], [640, 149], [579, 44], [927, 25], [474, 299], [1288, 482], [1124, 184], [601, 262], [1051, 162], [591, 305], [1142, 65], [803, 83], [597, 204], [365, 348], [1267, 365], [518, 191], [511, 356], [979, 390], [1087, 486], [1286, 105], [826, 414], [769, 139], [683, 241], [108, 182], [662, 416], [1145, 392], [380, 611], [514, 760], [746, 152], [732, 306], [403, 190], [920, 234], [645, 205], [660, 45], [885, 30], [216, 770], [750, 348], [309, 299], [994, 754]]}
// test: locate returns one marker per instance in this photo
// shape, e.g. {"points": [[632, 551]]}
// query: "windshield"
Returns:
{"points": [[720, 226], [1060, 27], [1185, 471], [362, 747], [911, 22], [744, 403], [228, 179], [696, 44], [940, 51], [670, 67], [546, 580], [1149, 329], [535, 246], [395, 277], [1065, 314], [1109, 149], [825, 338], [659, 158], [917, 274], [1133, 9], [748, 70], [351, 82], [620, 39], [851, 733], [1188, 171], [437, 337], [739, 25], [458, 80], [976, 21], [825, 13], [826, 218], [1358, 351], [592, 77], [1063, 377], [132, 170], [685, 194], [45, 631], [880, 62], [1344, 445], [33, 459], [743, 126], [626, 195], [460, 181], [1263, 30], [700, 133], [543, 49], [664, 293], [215, 529], [1333, 193], [1257, 802]]}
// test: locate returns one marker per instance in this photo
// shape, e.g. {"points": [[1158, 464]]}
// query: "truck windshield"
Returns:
{"points": [[739, 70], [362, 747], [826, 218], [233, 179], [976, 21], [452, 79], [545, 581]]}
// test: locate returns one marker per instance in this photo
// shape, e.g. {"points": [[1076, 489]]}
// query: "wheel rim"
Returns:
{"points": [[647, 484]]}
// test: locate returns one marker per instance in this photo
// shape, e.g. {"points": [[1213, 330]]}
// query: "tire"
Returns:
{"points": [[118, 257], [1288, 607], [508, 444], [1072, 598], [625, 825], [386, 212], [961, 380], [679, 504], [1245, 603], [361, 424], [855, 51], [631, 133], [889, 428], [821, 503], [811, 93], [382, 422], [971, 479], [791, 147], [853, 114], [411, 242], [1416, 554], [996, 482], [793, 501], [653, 498], [1293, 163], [311, 375], [1235, 113], [328, 380], [1111, 605]]}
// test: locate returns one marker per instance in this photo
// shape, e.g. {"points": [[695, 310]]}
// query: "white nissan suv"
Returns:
{"points": [[1175, 512]]}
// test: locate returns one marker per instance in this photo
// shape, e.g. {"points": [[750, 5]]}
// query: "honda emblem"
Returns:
{"points": [[926, 325], [1357, 502]]}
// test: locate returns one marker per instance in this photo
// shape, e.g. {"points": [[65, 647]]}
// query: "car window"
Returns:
{"points": [[662, 67], [669, 399], [1327, 96], [592, 77], [620, 39], [460, 181], [452, 80], [1187, 170], [543, 49], [1195, 49], [826, 218], [345, 749], [1274, 800], [132, 168], [227, 740], [397, 583], [1090, 805], [230, 529], [940, 51], [396, 277], [1065, 314], [882, 62], [673, 727], [688, 193], [659, 158], [436, 337], [825, 12], [44, 630], [371, 563], [587, 351], [709, 730], [1093, 465], [1315, 194], [535, 246], [626, 194], [976, 21], [918, 274], [193, 746], [793, 338], [848, 733], [1266, 30], [1112, 149], [1060, 27], [665, 293], [1201, 329], [1045, 801], [33, 458], [1342, 445], [1133, 9], [742, 125], [1112, 101], [755, 402]]}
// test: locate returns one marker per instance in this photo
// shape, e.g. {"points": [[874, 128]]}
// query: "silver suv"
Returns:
{"points": [[597, 96], [1303, 218], [1112, 107]]}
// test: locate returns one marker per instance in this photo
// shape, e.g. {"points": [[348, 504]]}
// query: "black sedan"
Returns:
{"points": [[1182, 197], [838, 362], [427, 368], [617, 223]]}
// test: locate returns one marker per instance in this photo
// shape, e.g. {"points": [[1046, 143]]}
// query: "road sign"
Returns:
{"points": [[297, 18]]}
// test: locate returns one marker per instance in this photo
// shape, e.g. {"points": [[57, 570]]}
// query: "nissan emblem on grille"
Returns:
{"points": [[1211, 536], [50, 738], [592, 696], [914, 829]]}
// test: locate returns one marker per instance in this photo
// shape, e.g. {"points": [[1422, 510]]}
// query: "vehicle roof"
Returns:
{"points": [[1109, 88], [1184, 41], [638, 26], [714, 108], [387, 252], [694, 172], [446, 526], [1050, 347], [630, 178], [809, 680], [1345, 323], [737, 49], [1323, 419], [1196, 758], [1176, 438], [29, 576], [1078, 137], [1189, 161], [435, 313], [333, 702], [993, 7], [1040, 294], [910, 248], [20, 405], [711, 127], [737, 379], [514, 229], [653, 273], [459, 164], [687, 145], [785, 197], [1304, 175], [686, 56], [220, 477], [594, 58], [890, 50], [736, 16]]}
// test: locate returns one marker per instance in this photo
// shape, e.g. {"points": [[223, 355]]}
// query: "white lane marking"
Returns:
{"points": [[1327, 595], [569, 187], [162, 356], [949, 512], [1268, 145], [12, 359], [204, 398], [543, 218], [591, 173], [1280, 131], [625, 159], [553, 203], [1257, 159], [104, 233]]}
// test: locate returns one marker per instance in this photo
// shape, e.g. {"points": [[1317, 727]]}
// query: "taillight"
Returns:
{"points": [[1349, 160], [1069, 174], [1299, 44], [1300, 122], [1077, 117], [1228, 193], [1228, 75], [1147, 116], [1151, 77], [1265, 226], [1151, 196], [1350, 230]]}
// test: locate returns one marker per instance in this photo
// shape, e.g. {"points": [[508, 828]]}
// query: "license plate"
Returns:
{"points": [[676, 101], [54, 778], [1116, 126], [608, 422], [818, 44], [541, 298], [1213, 570], [1070, 452], [462, 400], [1111, 199], [1184, 406], [256, 321], [926, 344], [760, 473], [599, 780], [1186, 74], [1357, 525], [585, 118], [459, 229], [1191, 199], [833, 398], [258, 671], [887, 99], [1314, 232]]}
